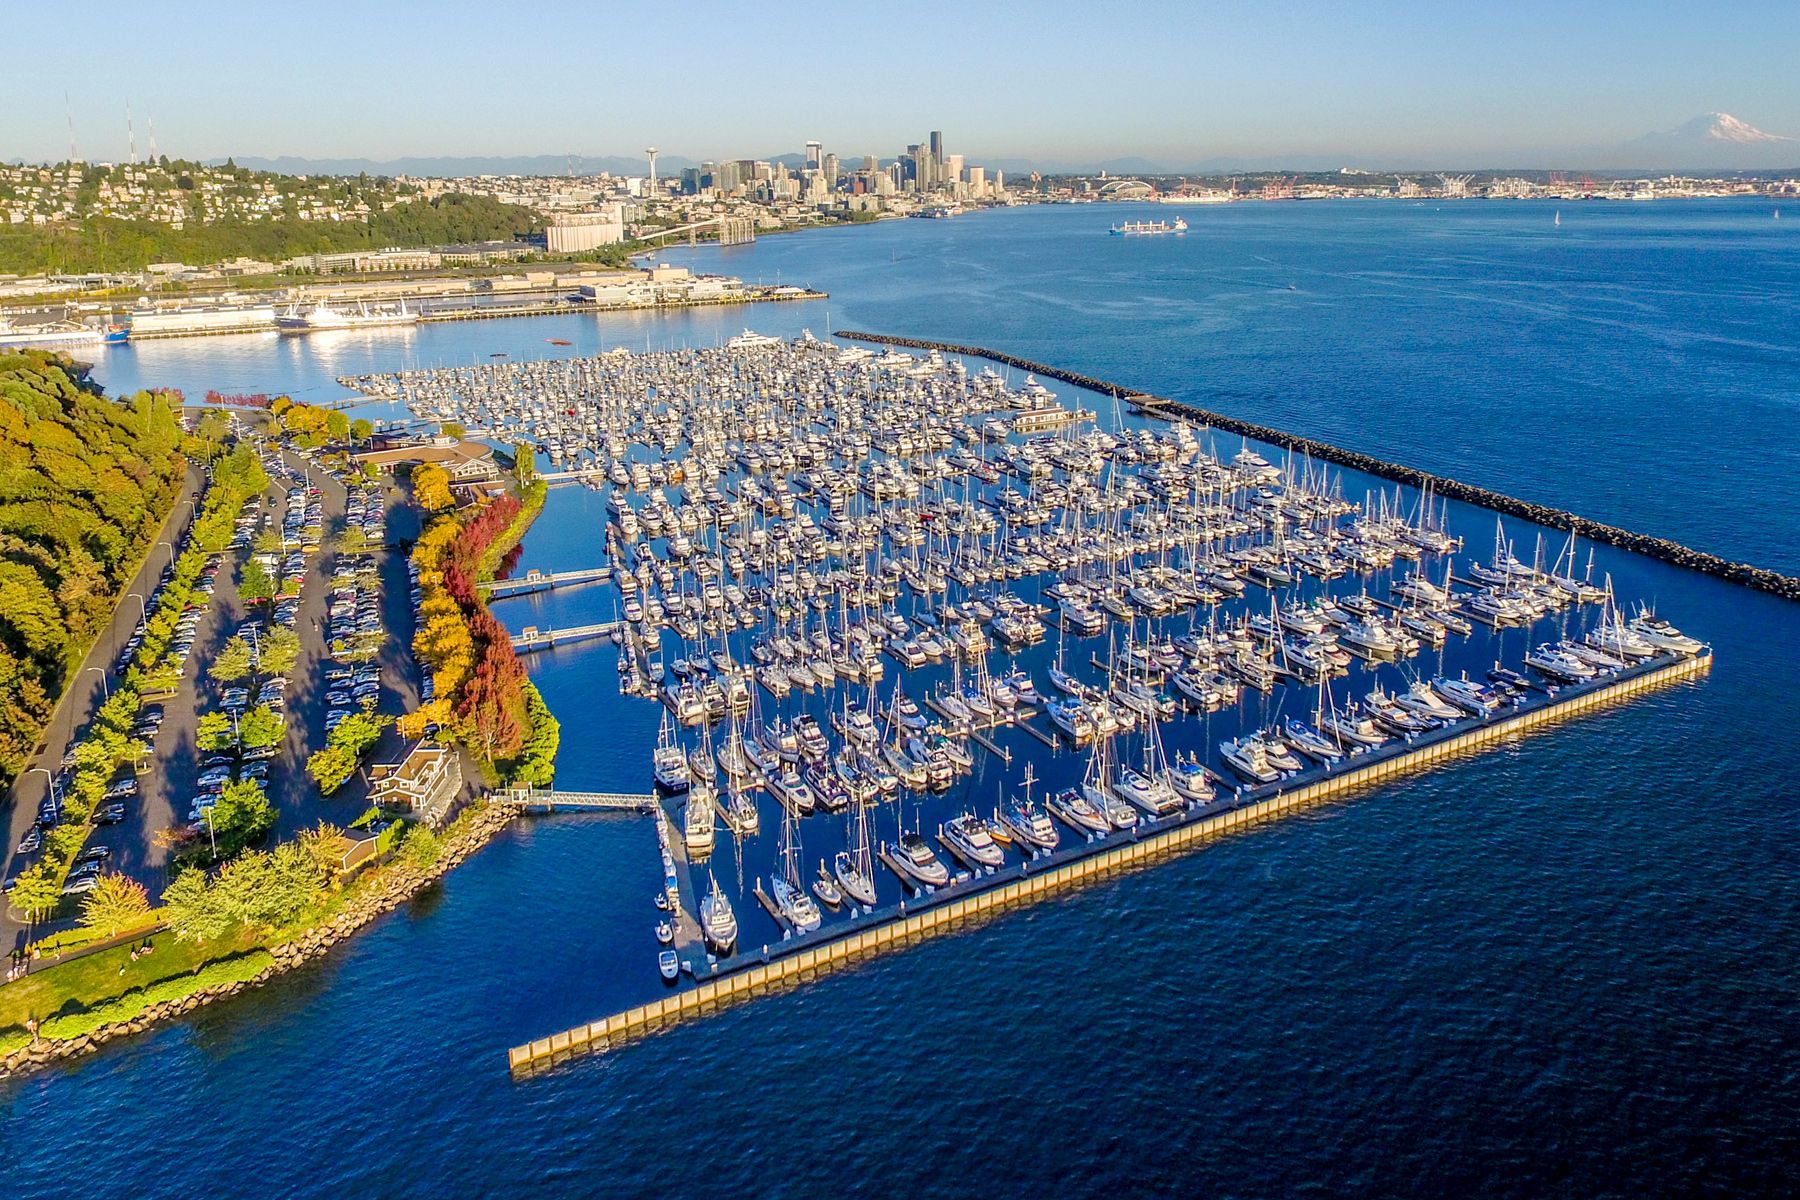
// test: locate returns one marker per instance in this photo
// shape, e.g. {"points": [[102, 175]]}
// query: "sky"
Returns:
{"points": [[1497, 81]]}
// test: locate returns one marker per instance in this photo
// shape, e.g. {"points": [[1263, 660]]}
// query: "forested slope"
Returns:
{"points": [[85, 483]]}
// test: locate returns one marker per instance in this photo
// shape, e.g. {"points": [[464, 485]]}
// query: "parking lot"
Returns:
{"points": [[324, 631]]}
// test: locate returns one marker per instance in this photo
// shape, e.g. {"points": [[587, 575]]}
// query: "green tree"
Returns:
{"points": [[421, 847], [524, 464], [321, 846], [269, 890], [338, 426], [267, 541], [213, 731], [357, 732], [232, 661], [254, 584], [193, 908], [331, 768], [361, 430], [116, 902], [261, 726], [279, 651], [37, 892], [242, 813]]}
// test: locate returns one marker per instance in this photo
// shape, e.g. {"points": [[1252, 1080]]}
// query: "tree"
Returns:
{"points": [[451, 429], [116, 902], [261, 726], [356, 733], [242, 812], [524, 464], [431, 488], [37, 892], [321, 845], [254, 584], [331, 768], [421, 846], [213, 733], [338, 426], [271, 889], [267, 541], [194, 909], [232, 662], [361, 430], [279, 651]]}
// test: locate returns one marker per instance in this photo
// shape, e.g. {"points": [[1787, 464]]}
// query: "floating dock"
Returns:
{"points": [[755, 972]]}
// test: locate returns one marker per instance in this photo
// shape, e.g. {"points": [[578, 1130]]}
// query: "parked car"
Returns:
{"points": [[31, 841], [93, 854], [79, 884], [109, 814]]}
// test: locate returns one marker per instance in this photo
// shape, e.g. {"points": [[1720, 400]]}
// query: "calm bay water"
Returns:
{"points": [[1563, 967]]}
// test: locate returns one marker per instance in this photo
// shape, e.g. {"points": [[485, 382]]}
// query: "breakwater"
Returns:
{"points": [[801, 960], [1785, 586]]}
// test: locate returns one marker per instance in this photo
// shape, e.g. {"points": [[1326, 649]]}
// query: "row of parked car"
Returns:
{"points": [[301, 532], [351, 621]]}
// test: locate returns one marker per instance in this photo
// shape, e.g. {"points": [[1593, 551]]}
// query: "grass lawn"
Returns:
{"points": [[96, 977]]}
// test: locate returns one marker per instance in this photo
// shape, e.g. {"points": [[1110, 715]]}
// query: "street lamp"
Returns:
{"points": [[143, 612], [105, 689], [171, 547], [54, 798]]}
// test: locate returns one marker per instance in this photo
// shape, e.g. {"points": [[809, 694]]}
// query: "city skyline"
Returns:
{"points": [[1525, 84]]}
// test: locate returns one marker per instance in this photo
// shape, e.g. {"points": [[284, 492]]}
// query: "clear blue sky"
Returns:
{"points": [[1058, 80]]}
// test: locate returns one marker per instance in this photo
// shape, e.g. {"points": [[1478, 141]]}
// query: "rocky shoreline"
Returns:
{"points": [[399, 883]]}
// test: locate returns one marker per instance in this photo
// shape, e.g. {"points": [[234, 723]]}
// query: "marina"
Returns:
{"points": [[868, 597], [974, 896]]}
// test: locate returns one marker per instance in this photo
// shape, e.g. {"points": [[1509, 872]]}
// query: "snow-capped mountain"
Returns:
{"points": [[1714, 140]]}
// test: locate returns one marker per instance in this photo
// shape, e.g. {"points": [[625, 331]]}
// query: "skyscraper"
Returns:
{"points": [[812, 156], [937, 146]]}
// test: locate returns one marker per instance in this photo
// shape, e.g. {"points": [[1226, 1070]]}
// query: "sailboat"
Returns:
{"points": [[669, 764], [1026, 821], [855, 867], [1097, 787], [791, 901], [717, 922]]}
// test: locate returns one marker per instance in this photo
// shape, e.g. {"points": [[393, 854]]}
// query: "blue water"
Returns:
{"points": [[1567, 966]]}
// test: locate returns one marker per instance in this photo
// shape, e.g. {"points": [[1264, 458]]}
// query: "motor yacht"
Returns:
{"points": [[914, 860], [968, 836]]}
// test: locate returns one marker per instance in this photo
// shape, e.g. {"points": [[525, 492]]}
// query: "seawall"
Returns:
{"points": [[785, 965], [1781, 585]]}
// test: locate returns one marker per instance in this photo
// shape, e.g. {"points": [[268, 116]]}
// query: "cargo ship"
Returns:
{"points": [[1180, 226]]}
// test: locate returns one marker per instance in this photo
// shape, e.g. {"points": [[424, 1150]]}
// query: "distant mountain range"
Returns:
{"points": [[1713, 142]]}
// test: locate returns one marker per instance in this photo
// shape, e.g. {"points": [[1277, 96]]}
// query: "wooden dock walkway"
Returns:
{"points": [[533, 638]]}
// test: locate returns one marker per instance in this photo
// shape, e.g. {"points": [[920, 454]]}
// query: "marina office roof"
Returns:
{"points": [[463, 460]]}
